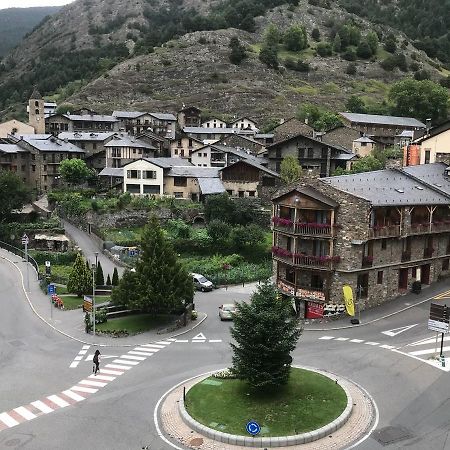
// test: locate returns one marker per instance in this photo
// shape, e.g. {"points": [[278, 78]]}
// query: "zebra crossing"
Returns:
{"points": [[84, 388], [424, 350]]}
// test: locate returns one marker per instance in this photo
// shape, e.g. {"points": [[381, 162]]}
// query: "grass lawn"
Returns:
{"points": [[309, 401], [74, 302], [136, 323]]}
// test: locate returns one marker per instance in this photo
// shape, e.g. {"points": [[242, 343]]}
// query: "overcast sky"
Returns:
{"points": [[26, 3]]}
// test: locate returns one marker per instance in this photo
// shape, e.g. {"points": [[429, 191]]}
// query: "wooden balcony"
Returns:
{"points": [[301, 228], [425, 228], [307, 261], [387, 231]]}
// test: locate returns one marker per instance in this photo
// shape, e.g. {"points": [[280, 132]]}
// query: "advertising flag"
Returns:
{"points": [[348, 299]]}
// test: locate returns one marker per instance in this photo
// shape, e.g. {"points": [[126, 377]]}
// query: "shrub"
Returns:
{"points": [[422, 75], [324, 49], [315, 34], [349, 54], [219, 230], [351, 69]]}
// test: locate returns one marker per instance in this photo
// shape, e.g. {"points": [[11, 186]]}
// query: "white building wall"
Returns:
{"points": [[141, 166]]}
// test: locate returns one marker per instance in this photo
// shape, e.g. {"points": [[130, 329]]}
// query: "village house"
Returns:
{"points": [[241, 142], [92, 143], [377, 232], [380, 128], [91, 122], [264, 138], [246, 178], [211, 135], [15, 128], [162, 144], [183, 146], [136, 122], [290, 128], [122, 149], [244, 123], [363, 146], [189, 117], [214, 123], [49, 108], [312, 154], [340, 136], [15, 159]]}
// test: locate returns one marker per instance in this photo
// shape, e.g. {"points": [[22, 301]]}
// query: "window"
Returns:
{"points": [[427, 156], [44, 157], [178, 194], [301, 152], [278, 153], [151, 189], [324, 153], [149, 174], [241, 193], [251, 193], [36, 103], [190, 142], [230, 192], [414, 272], [445, 264], [133, 188], [135, 174], [134, 151], [180, 181], [83, 145], [45, 168], [363, 144], [37, 111], [22, 168], [310, 153], [45, 178], [94, 146], [380, 277], [176, 152], [33, 168], [383, 244]]}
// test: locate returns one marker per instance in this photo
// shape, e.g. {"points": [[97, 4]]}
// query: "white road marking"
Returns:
{"points": [[134, 358], [399, 330], [79, 357], [326, 338], [429, 351], [215, 340], [74, 395], [140, 353], [199, 336], [372, 343], [152, 345], [429, 341], [117, 366], [182, 340], [42, 406], [341, 339], [102, 377], [91, 356], [357, 341], [122, 361], [24, 413], [58, 401], [8, 420], [163, 343], [388, 347], [84, 389], [92, 383], [150, 350], [111, 372]]}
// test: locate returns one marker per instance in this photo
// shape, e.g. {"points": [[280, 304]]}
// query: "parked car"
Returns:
{"points": [[201, 283], [226, 311]]}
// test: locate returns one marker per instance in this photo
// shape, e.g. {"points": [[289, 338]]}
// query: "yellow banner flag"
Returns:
{"points": [[348, 299]]}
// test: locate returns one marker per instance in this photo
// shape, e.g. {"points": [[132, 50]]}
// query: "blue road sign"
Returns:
{"points": [[253, 428], [51, 289]]}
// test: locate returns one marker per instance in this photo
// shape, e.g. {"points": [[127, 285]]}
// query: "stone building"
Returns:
{"points": [[377, 232], [189, 117], [87, 121], [36, 112], [16, 128], [137, 122], [122, 149]]}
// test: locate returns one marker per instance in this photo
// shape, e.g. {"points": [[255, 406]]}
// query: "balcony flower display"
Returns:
{"points": [[282, 252], [282, 222], [313, 225], [368, 259]]}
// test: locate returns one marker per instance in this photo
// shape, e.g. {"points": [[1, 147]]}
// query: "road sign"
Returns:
{"points": [[436, 325], [51, 289], [253, 428], [25, 239], [439, 312], [87, 304]]}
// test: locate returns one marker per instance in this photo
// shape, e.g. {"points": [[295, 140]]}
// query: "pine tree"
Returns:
{"points": [[80, 281], [108, 280], [128, 284], [290, 169], [99, 277], [265, 333], [163, 283], [337, 43], [115, 277]]}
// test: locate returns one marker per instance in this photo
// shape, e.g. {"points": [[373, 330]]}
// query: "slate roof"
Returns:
{"points": [[167, 163], [211, 186], [406, 133], [264, 136], [111, 172], [194, 172], [128, 114], [308, 191], [253, 164], [435, 131], [365, 139], [433, 175], [204, 130], [128, 141], [383, 120], [11, 148], [163, 116], [85, 136], [36, 95], [87, 117], [52, 145], [388, 187]]}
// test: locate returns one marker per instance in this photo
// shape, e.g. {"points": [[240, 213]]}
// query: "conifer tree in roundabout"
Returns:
{"points": [[261, 384], [160, 284]]}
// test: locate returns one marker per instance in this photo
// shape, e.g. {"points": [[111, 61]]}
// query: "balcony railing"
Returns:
{"points": [[384, 231], [305, 228], [307, 292], [434, 227], [298, 259]]}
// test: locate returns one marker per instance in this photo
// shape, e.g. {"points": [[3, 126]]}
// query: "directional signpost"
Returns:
{"points": [[25, 242], [51, 290], [439, 321], [253, 428]]}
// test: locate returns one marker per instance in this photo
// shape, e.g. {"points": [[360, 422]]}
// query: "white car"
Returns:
{"points": [[226, 311], [201, 283]]}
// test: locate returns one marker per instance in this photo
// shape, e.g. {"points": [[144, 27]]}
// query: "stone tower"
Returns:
{"points": [[36, 117]]}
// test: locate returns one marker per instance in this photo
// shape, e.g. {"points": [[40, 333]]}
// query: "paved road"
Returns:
{"points": [[412, 395]]}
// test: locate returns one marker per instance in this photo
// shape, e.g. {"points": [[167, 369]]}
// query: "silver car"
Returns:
{"points": [[226, 311], [201, 283]]}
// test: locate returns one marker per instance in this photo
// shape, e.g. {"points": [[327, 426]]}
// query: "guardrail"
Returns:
{"points": [[19, 252]]}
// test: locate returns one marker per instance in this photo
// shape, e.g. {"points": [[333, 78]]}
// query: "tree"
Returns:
{"points": [[269, 56], [120, 295], [265, 333], [13, 194], [315, 34], [351, 69], [108, 280], [349, 54], [363, 50], [272, 36], [319, 118], [366, 164], [355, 104], [390, 45], [372, 40], [290, 169], [337, 44], [74, 171], [324, 49], [238, 53], [99, 277], [218, 230], [115, 277], [219, 207], [420, 99], [295, 38], [247, 236], [80, 278]]}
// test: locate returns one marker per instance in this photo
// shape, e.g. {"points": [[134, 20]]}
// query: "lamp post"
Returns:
{"points": [[94, 271]]}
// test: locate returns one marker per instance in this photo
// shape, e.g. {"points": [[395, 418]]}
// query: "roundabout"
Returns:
{"points": [[344, 422]]}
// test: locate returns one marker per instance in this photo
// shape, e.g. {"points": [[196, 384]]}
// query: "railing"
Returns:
{"points": [[297, 259], [305, 228], [435, 227], [21, 253], [387, 231]]}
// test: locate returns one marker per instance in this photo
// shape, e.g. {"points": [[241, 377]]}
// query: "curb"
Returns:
{"points": [[279, 441], [81, 340]]}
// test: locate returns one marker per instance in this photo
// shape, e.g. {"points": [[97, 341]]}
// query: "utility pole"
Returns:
{"points": [[25, 242], [94, 271]]}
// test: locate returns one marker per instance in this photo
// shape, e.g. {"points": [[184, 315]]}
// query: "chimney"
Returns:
{"points": [[428, 123]]}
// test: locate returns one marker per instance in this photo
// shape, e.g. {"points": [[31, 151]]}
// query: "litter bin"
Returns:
{"points": [[416, 287]]}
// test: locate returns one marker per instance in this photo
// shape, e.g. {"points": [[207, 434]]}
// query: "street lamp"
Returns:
{"points": [[94, 270]]}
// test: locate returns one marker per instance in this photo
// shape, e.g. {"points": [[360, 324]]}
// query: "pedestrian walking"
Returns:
{"points": [[96, 361]]}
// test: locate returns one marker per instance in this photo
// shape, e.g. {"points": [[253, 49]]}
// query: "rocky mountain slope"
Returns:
{"points": [[15, 23]]}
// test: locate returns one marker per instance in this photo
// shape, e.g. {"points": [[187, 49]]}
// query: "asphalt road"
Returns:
{"points": [[412, 395]]}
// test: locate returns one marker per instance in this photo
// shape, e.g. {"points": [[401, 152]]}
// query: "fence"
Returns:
{"points": [[21, 253]]}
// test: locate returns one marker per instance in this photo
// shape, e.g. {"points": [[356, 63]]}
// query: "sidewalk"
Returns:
{"points": [[71, 323], [383, 311]]}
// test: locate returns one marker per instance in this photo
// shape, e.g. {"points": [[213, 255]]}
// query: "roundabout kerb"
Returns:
{"points": [[279, 441]]}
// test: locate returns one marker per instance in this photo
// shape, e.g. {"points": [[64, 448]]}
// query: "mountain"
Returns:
{"points": [[159, 54], [15, 23]]}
